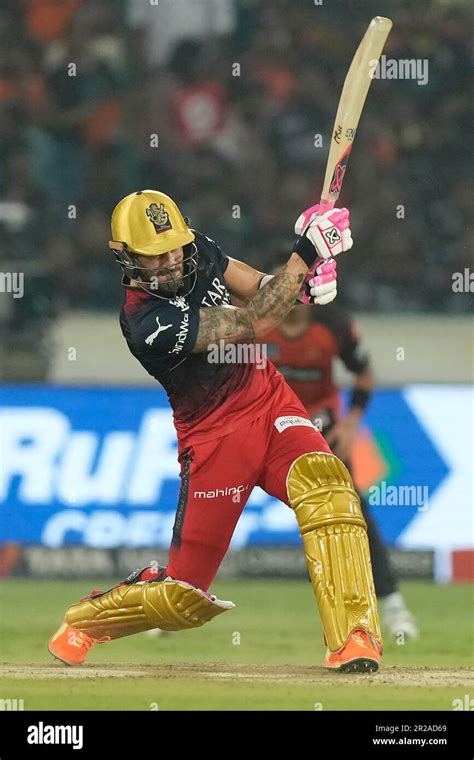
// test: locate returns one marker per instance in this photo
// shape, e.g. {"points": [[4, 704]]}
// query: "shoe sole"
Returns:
{"points": [[59, 659], [358, 665]]}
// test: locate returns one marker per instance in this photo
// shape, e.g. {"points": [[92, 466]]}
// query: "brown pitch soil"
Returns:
{"points": [[292, 674]]}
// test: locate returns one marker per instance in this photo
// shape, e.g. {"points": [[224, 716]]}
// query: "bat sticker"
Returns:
{"points": [[337, 134], [339, 171]]}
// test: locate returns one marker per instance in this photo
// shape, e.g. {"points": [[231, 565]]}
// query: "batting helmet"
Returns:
{"points": [[149, 223]]}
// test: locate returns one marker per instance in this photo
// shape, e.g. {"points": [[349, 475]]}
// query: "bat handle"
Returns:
{"points": [[325, 205]]}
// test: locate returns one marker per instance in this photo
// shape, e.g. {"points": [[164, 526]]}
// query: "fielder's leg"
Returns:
{"points": [[396, 617], [384, 577]]}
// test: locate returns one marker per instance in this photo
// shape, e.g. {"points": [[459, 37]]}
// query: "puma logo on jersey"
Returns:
{"points": [[153, 335]]}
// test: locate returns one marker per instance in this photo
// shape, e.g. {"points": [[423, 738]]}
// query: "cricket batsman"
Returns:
{"points": [[303, 347], [238, 425]]}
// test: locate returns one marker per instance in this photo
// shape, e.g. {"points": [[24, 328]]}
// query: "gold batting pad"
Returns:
{"points": [[170, 605], [334, 533]]}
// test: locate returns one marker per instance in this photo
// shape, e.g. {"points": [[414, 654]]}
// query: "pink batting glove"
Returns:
{"points": [[320, 286], [328, 230]]}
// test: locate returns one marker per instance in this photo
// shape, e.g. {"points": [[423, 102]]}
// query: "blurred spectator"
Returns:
{"points": [[47, 20], [161, 25], [224, 104]]}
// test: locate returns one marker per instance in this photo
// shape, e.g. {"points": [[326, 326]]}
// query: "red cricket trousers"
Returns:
{"points": [[217, 479]]}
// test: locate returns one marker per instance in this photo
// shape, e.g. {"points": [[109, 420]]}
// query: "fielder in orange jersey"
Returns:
{"points": [[304, 347], [179, 323]]}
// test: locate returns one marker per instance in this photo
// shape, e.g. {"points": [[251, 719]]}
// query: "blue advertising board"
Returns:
{"points": [[98, 467]]}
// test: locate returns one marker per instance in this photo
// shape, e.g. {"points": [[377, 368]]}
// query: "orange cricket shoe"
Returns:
{"points": [[70, 645], [361, 653]]}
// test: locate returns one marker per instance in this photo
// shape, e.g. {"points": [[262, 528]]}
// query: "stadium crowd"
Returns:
{"points": [[220, 103]]}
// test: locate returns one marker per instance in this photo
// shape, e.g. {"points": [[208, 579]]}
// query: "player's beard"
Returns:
{"points": [[165, 286]]}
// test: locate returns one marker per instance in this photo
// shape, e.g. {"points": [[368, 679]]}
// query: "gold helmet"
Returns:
{"points": [[149, 223]]}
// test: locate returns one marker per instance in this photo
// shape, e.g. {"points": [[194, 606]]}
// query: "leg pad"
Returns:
{"points": [[127, 609], [333, 529]]}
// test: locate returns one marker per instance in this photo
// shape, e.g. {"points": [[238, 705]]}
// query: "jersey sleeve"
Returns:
{"points": [[345, 333], [221, 259], [165, 332]]}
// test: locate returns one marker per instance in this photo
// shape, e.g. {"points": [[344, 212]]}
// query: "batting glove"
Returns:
{"points": [[329, 232], [320, 287]]}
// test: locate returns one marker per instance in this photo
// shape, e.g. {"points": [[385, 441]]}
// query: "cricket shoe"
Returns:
{"points": [[72, 646], [396, 618], [360, 654]]}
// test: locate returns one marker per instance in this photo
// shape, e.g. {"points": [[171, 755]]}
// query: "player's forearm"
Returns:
{"points": [[241, 301], [242, 281], [228, 323], [273, 301], [264, 312], [365, 380]]}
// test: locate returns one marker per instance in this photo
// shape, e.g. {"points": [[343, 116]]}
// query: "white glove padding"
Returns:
{"points": [[329, 232], [320, 287]]}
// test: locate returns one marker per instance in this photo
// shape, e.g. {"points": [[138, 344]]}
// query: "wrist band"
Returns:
{"points": [[360, 398], [266, 278], [305, 250]]}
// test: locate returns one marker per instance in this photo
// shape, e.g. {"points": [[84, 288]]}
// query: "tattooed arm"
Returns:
{"points": [[266, 309]]}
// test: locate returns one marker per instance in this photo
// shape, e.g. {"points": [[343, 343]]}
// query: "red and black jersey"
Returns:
{"points": [[307, 361], [208, 399]]}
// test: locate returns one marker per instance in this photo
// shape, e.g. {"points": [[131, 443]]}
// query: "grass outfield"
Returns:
{"points": [[265, 654]]}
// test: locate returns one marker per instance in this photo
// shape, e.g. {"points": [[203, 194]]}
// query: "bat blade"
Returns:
{"points": [[351, 103]]}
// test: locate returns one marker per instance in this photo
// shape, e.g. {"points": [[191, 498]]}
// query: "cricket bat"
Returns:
{"points": [[351, 103], [354, 93]]}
